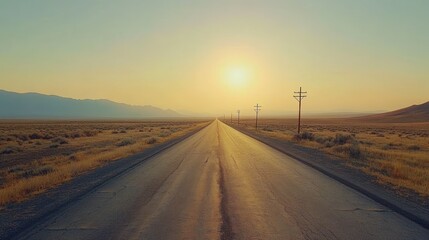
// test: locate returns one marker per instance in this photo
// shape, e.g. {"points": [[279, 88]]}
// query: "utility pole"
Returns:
{"points": [[238, 117], [231, 117], [299, 98], [257, 109]]}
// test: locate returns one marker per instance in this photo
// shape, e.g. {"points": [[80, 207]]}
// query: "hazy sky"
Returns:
{"points": [[219, 56]]}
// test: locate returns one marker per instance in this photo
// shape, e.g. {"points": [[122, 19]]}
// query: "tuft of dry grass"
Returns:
{"points": [[36, 156], [397, 154]]}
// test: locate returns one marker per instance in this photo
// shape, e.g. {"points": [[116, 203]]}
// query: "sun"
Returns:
{"points": [[237, 76]]}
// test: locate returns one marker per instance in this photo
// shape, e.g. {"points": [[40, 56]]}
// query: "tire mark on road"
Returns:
{"points": [[226, 232], [226, 228]]}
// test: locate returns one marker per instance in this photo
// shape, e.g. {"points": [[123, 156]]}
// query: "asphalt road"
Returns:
{"points": [[222, 184]]}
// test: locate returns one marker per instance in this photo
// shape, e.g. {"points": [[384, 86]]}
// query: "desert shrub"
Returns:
{"points": [[22, 137], [15, 169], [125, 142], [177, 129], [391, 146], [75, 135], [267, 129], [413, 148], [341, 139], [366, 143], [304, 136], [151, 140], [47, 136], [35, 136], [54, 145], [388, 147], [59, 140], [123, 131], [43, 170], [320, 140], [329, 144], [115, 132], [164, 133], [307, 136], [354, 151], [88, 133], [9, 150], [351, 150], [323, 140]]}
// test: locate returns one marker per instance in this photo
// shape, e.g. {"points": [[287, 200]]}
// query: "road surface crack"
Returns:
{"points": [[235, 162], [363, 209]]}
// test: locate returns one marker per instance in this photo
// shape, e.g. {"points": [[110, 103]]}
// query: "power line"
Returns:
{"points": [[299, 98], [257, 109]]}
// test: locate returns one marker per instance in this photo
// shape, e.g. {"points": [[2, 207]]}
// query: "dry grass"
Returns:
{"points": [[36, 156], [395, 153]]}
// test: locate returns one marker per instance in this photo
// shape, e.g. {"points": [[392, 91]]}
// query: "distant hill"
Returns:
{"points": [[38, 106], [414, 113]]}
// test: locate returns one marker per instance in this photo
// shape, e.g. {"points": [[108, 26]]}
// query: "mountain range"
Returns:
{"points": [[414, 113], [39, 106]]}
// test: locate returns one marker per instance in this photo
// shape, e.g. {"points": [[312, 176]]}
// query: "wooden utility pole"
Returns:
{"points": [[257, 109], [231, 117], [299, 98], [238, 117]]}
